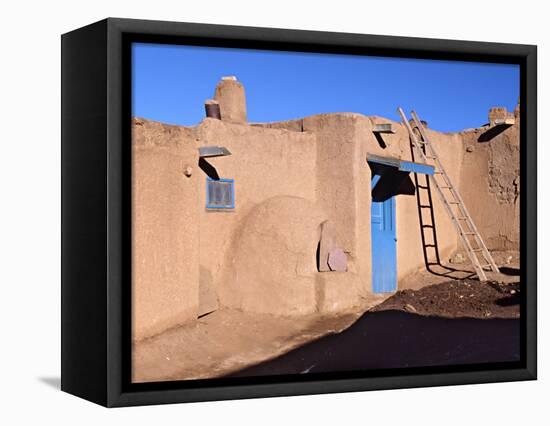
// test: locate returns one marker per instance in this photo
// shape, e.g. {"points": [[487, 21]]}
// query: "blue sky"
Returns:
{"points": [[171, 83]]}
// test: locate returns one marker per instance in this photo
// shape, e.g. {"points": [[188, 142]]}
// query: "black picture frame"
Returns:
{"points": [[96, 226]]}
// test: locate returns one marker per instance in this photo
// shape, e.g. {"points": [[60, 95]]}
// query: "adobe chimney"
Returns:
{"points": [[232, 100]]}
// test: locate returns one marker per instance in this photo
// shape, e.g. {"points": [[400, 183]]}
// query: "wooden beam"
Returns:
{"points": [[213, 151], [383, 128], [508, 121]]}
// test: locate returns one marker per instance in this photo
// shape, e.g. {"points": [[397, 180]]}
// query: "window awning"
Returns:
{"points": [[401, 165], [213, 151]]}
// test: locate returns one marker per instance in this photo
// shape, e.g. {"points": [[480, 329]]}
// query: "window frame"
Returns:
{"points": [[209, 205]]}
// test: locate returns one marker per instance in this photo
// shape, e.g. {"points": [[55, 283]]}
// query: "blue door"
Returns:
{"points": [[384, 244]]}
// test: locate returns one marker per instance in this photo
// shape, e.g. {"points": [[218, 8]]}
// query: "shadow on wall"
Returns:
{"points": [[428, 229], [380, 140], [492, 132], [209, 169], [392, 182], [318, 256]]}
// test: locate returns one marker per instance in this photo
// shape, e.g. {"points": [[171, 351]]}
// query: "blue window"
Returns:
{"points": [[220, 193]]}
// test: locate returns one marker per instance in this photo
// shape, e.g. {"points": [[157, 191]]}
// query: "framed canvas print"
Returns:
{"points": [[252, 212]]}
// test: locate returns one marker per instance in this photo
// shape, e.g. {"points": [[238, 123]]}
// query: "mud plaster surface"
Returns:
{"points": [[229, 340], [504, 171]]}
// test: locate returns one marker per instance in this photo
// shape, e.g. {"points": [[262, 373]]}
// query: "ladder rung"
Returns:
{"points": [[425, 207], [461, 214]]}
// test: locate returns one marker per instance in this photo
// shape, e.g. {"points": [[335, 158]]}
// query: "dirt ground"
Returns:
{"points": [[437, 295], [456, 299], [397, 339], [227, 342]]}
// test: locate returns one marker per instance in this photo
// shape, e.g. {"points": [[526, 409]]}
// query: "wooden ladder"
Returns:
{"points": [[469, 235]]}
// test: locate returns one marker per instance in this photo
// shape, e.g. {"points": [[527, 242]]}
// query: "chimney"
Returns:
{"points": [[232, 100], [496, 114]]}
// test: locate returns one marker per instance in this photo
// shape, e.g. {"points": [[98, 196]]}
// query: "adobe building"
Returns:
{"points": [[298, 217]]}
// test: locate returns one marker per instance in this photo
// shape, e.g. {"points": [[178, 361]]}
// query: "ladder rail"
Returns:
{"points": [[457, 196], [417, 145], [469, 250], [465, 214], [425, 229]]}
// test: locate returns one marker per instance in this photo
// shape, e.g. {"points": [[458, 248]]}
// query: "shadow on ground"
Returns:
{"points": [[506, 270], [394, 339], [437, 268]]}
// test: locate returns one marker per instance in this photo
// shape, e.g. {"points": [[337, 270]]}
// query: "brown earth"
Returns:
{"points": [[436, 321], [230, 342], [459, 298]]}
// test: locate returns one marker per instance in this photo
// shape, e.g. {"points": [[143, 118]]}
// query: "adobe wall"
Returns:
{"points": [[490, 183], [165, 215], [344, 186], [337, 176], [271, 265], [264, 163]]}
